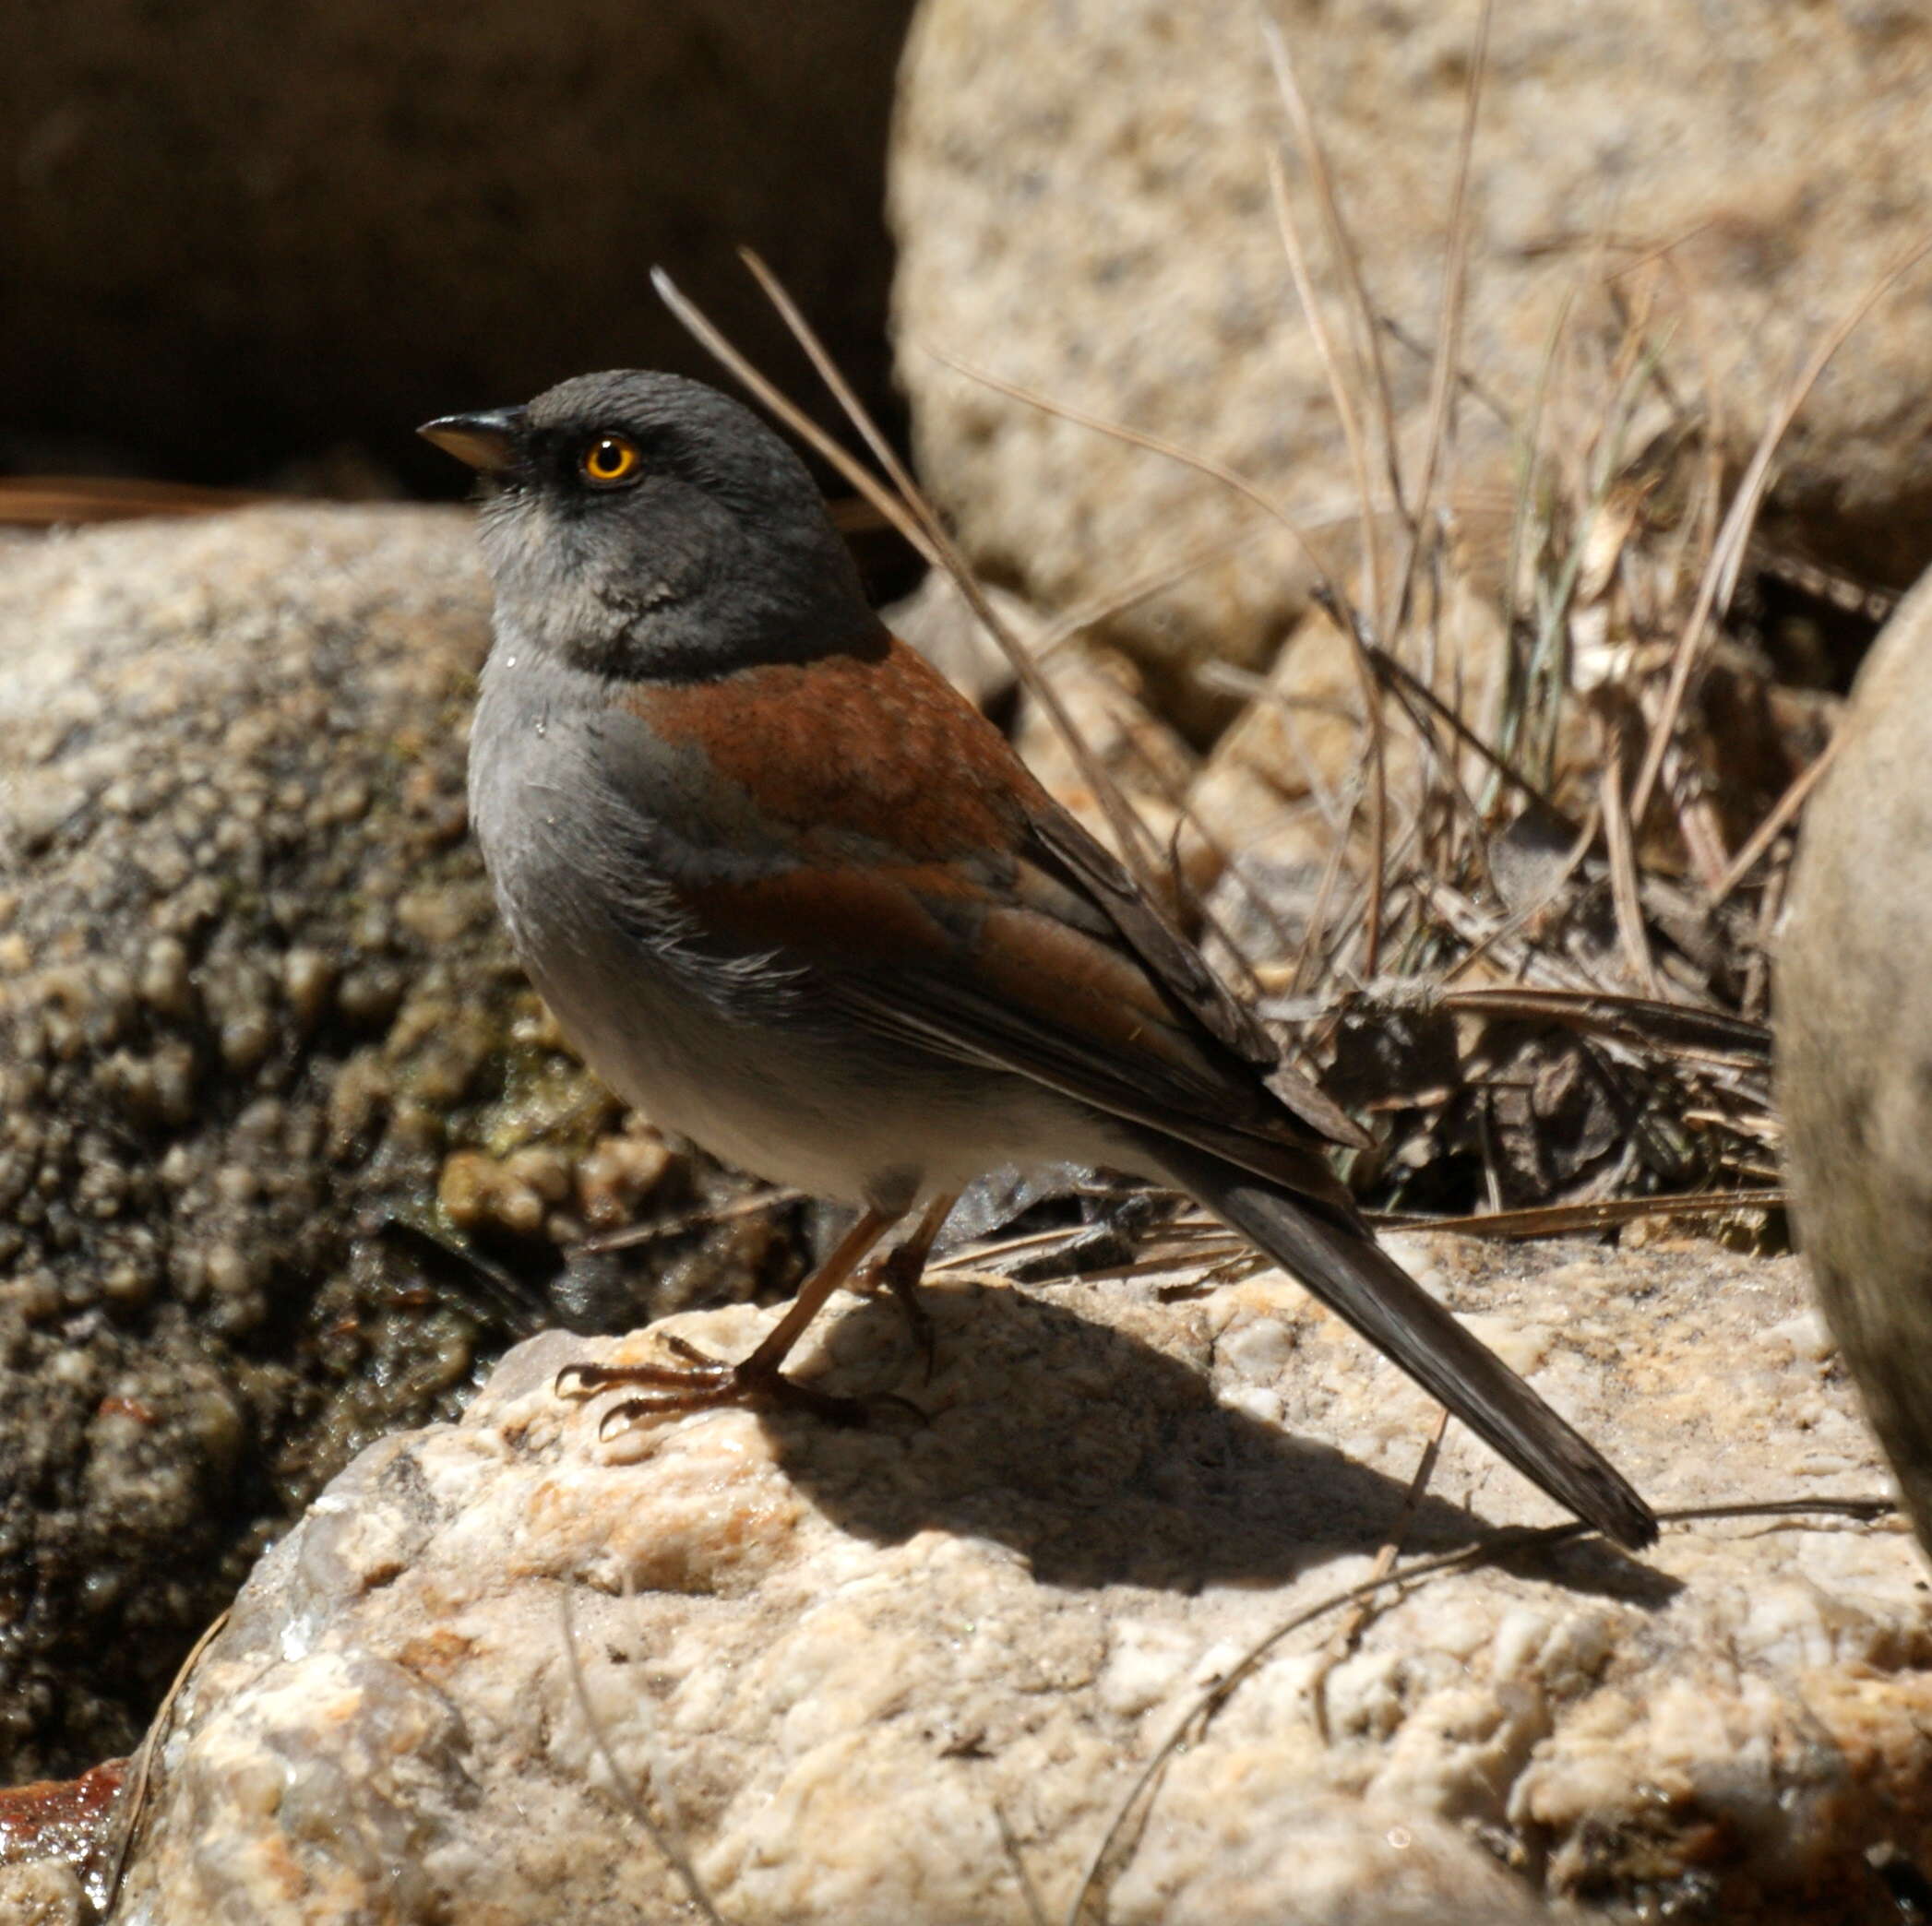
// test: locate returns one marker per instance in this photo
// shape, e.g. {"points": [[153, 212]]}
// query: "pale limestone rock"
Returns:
{"points": [[41, 1893], [903, 1675]]}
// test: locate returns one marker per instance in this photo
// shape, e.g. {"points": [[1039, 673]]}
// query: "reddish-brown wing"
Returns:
{"points": [[980, 919], [871, 745]]}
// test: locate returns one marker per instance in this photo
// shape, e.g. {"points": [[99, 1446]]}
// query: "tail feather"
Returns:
{"points": [[1361, 1283]]}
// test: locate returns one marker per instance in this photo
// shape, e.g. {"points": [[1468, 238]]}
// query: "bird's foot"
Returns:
{"points": [[703, 1383]]}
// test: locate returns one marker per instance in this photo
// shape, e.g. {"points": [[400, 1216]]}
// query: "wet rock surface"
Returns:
{"points": [[264, 1057], [908, 1674]]}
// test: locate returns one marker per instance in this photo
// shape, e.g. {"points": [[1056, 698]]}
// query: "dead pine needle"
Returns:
{"points": [[1782, 815], [134, 1804], [1343, 1639]]}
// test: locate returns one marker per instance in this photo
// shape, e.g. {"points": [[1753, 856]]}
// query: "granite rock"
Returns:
{"points": [[1081, 204], [906, 1674], [1854, 1042], [255, 1011]]}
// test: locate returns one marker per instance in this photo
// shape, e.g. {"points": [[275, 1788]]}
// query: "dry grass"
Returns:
{"points": [[1537, 956]]}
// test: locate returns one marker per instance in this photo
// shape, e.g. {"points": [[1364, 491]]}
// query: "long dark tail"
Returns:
{"points": [[1359, 1281]]}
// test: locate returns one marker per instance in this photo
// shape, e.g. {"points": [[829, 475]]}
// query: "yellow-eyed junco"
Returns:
{"points": [[794, 898]]}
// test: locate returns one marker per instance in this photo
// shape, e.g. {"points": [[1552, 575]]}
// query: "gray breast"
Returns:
{"points": [[585, 822]]}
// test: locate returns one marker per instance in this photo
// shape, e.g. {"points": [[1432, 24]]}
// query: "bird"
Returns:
{"points": [[791, 895]]}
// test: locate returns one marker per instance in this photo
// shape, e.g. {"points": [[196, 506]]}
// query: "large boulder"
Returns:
{"points": [[1854, 1042], [1081, 204], [907, 1676], [262, 1048]]}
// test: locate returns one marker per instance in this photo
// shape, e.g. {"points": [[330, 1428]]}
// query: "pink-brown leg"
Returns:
{"points": [[901, 1267]]}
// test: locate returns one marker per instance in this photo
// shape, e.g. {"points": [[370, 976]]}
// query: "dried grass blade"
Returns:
{"points": [[1325, 345], [1624, 893], [1721, 573], [1393, 672], [1604, 1012], [916, 520], [1366, 337], [1449, 343]]}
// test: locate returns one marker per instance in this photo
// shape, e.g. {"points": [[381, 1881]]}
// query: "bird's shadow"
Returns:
{"points": [[1102, 1460]]}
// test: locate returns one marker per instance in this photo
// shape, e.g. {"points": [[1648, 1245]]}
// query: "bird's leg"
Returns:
{"points": [[901, 1267], [701, 1382]]}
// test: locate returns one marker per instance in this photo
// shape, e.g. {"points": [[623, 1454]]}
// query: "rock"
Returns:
{"points": [[1081, 204], [357, 217], [1106, 699], [936, 621], [253, 1007], [908, 1674], [44, 1893], [55, 1845], [1855, 1043]]}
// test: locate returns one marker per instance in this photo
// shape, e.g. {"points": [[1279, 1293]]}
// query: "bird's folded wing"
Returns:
{"points": [[872, 815], [1007, 978], [1063, 845]]}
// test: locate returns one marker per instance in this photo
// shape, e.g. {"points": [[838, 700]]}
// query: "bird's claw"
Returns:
{"points": [[702, 1383]]}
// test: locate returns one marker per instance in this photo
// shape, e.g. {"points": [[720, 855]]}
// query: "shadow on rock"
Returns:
{"points": [[1104, 1460]]}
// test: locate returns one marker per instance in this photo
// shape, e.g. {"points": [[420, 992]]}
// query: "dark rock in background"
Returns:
{"points": [[235, 235]]}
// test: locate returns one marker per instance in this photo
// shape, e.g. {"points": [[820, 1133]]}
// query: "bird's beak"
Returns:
{"points": [[483, 440]]}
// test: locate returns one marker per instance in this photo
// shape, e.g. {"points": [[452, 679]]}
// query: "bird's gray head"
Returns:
{"points": [[641, 525]]}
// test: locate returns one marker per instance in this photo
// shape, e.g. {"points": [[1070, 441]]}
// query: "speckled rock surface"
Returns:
{"points": [[42, 1894], [903, 1675], [1854, 1042], [254, 1005], [1081, 203]]}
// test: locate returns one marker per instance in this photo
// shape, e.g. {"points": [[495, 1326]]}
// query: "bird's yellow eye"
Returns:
{"points": [[610, 460]]}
